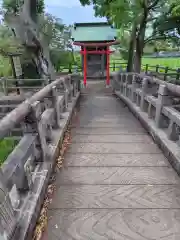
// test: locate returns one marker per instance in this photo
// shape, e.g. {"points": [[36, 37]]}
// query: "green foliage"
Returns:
{"points": [[58, 36], [40, 6], [168, 22], [77, 59], [140, 15], [60, 58], [8, 44], [56, 33], [14, 5], [6, 147], [5, 67], [116, 11]]}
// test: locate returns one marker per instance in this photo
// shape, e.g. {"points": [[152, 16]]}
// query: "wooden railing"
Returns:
{"points": [[21, 86], [24, 176], [156, 104], [164, 73], [118, 65]]}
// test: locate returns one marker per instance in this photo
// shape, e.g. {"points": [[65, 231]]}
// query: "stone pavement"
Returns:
{"points": [[115, 184]]}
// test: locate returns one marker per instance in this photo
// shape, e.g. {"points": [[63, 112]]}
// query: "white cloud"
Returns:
{"points": [[62, 3]]}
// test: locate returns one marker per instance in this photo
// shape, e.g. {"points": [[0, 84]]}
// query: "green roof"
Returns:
{"points": [[93, 32]]}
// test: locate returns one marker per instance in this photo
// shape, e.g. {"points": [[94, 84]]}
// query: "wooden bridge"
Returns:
{"points": [[119, 176]]}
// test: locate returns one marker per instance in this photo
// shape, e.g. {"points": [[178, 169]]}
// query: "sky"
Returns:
{"points": [[71, 11]]}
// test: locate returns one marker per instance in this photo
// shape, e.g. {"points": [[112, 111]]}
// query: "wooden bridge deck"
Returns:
{"points": [[115, 184]]}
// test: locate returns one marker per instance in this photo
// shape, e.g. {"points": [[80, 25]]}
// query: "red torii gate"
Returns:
{"points": [[84, 52]]}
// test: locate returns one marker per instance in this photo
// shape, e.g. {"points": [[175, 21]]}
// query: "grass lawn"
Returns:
{"points": [[6, 147], [164, 62], [173, 63]]}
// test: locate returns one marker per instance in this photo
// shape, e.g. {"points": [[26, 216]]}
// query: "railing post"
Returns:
{"points": [[70, 89], [62, 89], [31, 126], [163, 99], [157, 68], [122, 83], [172, 133], [66, 96], [41, 129], [54, 102], [146, 68], [4, 86], [125, 84], [116, 82], [149, 110], [58, 105], [178, 74], [70, 68], [143, 93], [133, 89], [73, 82], [114, 66], [166, 71]]}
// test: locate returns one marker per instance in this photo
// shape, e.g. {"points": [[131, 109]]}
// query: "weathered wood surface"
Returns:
{"points": [[112, 186]]}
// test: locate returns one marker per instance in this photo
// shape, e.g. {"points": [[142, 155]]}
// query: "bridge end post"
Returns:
{"points": [[144, 93], [163, 99]]}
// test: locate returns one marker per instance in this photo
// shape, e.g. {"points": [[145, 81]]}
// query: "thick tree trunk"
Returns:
{"points": [[131, 48], [138, 57], [140, 42]]}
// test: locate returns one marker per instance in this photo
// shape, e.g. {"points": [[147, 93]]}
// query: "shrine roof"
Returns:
{"points": [[93, 32]]}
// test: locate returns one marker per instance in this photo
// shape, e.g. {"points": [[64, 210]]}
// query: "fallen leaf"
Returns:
{"points": [[43, 219]]}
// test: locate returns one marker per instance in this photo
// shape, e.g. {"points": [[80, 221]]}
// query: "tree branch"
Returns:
{"points": [[153, 4], [155, 38], [151, 19]]}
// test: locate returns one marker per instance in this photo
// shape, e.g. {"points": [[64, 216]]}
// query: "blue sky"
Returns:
{"points": [[71, 11]]}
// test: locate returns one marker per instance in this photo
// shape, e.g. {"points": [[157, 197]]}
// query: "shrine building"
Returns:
{"points": [[94, 40]]}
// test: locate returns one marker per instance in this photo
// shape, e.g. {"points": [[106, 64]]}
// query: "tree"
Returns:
{"points": [[134, 16], [59, 40], [123, 14], [13, 6], [31, 9], [51, 30], [167, 25]]}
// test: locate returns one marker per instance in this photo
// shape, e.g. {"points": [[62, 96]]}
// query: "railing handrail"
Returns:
{"points": [[163, 72], [16, 115], [156, 106], [41, 120], [173, 88]]}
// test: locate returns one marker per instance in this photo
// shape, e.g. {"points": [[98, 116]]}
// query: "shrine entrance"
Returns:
{"points": [[95, 40]]}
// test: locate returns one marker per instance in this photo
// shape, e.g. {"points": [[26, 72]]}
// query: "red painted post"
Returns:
{"points": [[85, 66], [108, 70], [84, 52]]}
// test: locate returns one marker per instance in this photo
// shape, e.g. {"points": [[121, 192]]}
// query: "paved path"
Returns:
{"points": [[115, 184]]}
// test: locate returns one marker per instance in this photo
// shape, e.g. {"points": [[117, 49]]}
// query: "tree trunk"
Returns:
{"points": [[138, 57], [131, 48], [140, 41]]}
